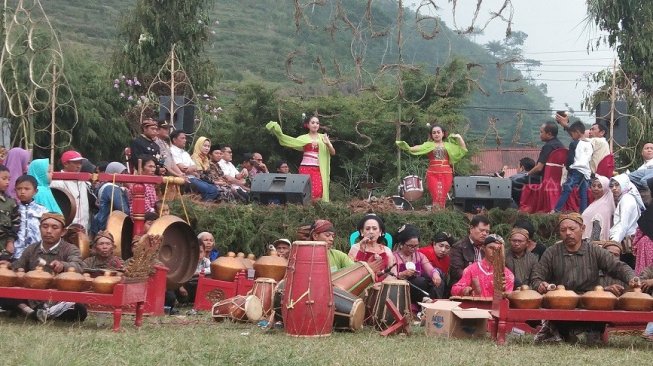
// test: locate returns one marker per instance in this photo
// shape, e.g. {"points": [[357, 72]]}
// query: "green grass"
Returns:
{"points": [[198, 340]]}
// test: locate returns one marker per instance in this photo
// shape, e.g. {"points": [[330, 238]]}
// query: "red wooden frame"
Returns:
{"points": [[210, 291]]}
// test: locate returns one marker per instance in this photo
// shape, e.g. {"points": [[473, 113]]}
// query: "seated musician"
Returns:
{"points": [[606, 281], [414, 267], [282, 246], [322, 230], [478, 278], [207, 245], [518, 259], [437, 252], [470, 249], [58, 255], [103, 258], [532, 246], [575, 263], [371, 247]]}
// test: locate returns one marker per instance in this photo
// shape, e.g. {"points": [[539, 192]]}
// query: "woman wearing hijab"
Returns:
{"points": [[17, 161], [628, 209], [200, 154], [105, 192], [597, 217], [40, 169], [643, 241]]}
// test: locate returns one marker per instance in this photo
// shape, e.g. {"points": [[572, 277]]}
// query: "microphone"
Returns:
{"points": [[387, 270]]}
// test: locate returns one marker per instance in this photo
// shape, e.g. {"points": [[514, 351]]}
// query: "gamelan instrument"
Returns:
{"points": [[66, 203], [412, 188], [398, 291], [239, 308], [276, 300], [179, 250], [370, 297], [264, 290], [307, 302], [349, 311], [121, 226], [354, 279]]}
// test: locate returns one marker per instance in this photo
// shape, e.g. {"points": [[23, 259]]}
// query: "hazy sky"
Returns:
{"points": [[558, 36]]}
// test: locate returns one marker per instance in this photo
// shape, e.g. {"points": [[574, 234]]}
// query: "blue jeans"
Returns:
{"points": [[208, 191], [574, 178], [639, 177]]}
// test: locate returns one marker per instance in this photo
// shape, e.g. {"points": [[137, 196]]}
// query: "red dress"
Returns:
{"points": [[310, 166], [439, 176]]}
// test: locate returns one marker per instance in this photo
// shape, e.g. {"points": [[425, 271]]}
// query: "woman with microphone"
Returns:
{"points": [[371, 247]]}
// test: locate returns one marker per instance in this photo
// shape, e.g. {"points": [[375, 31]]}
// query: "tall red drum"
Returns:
{"points": [[307, 303], [354, 279], [264, 290]]}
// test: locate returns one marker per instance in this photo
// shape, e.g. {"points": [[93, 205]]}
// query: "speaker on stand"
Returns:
{"points": [[183, 114], [620, 125]]}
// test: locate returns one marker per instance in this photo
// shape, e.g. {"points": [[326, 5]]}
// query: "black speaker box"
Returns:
{"points": [[620, 126], [281, 189], [477, 192], [183, 112]]}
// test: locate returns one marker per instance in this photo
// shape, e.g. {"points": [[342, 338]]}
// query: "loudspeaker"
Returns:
{"points": [[477, 192], [184, 112], [620, 126], [281, 189]]}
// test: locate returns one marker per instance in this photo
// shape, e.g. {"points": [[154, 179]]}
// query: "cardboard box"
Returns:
{"points": [[446, 319]]}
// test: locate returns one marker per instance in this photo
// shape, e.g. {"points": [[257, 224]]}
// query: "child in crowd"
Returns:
{"points": [[578, 167], [161, 208], [149, 218], [29, 213], [9, 218], [103, 258]]}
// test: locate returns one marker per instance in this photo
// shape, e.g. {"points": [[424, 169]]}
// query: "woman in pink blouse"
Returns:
{"points": [[478, 277]]}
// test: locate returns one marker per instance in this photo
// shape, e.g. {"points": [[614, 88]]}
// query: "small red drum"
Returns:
{"points": [[354, 279], [413, 189], [349, 311], [399, 292], [307, 302], [264, 290], [241, 308]]}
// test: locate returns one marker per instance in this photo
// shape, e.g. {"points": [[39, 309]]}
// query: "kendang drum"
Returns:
{"points": [[354, 279], [398, 291], [264, 290], [370, 297], [413, 189], [307, 302], [240, 308], [349, 311]]}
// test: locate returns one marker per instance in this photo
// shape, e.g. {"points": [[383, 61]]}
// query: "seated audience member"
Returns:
{"points": [[578, 167], [9, 218], [322, 230], [16, 163], [215, 175], [628, 208], [207, 244], [186, 164], [518, 259], [643, 240], [237, 179], [29, 215], [149, 219], [40, 170], [645, 171], [282, 246], [372, 247], [257, 165], [58, 256], [282, 167], [597, 133], [597, 218], [437, 252], [162, 209], [145, 143], [533, 246], [483, 272], [575, 263], [518, 180], [149, 168], [548, 135], [414, 267], [72, 163], [110, 197], [200, 154], [102, 257], [469, 249]]}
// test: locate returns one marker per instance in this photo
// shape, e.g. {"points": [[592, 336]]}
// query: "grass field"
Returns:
{"points": [[197, 340]]}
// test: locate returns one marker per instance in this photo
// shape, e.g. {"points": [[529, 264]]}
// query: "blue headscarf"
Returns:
{"points": [[39, 169]]}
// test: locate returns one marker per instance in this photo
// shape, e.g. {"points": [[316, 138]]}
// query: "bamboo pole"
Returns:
{"points": [[612, 101], [53, 107]]}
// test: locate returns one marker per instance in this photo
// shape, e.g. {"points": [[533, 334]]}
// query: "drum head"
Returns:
{"points": [[253, 308], [401, 203], [121, 227], [357, 315], [179, 250], [66, 203]]}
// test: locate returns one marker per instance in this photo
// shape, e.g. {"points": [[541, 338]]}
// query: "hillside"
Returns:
{"points": [[254, 37]]}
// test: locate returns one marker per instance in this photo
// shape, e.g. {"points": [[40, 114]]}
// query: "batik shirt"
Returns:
{"points": [[9, 221], [28, 232]]}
